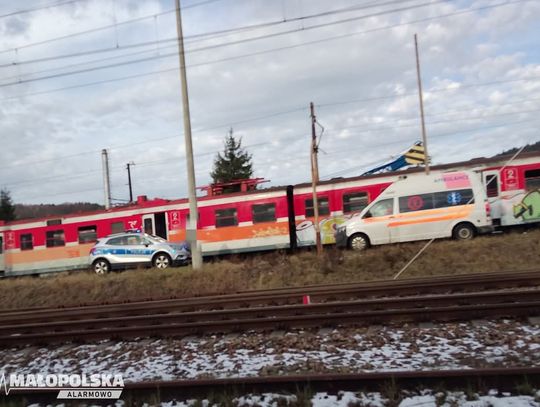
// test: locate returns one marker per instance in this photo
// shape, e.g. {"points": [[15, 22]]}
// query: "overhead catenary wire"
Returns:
{"points": [[520, 79], [101, 82], [178, 160], [214, 46], [290, 111], [95, 29], [188, 37]]}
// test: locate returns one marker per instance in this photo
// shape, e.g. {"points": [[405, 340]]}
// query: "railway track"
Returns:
{"points": [[439, 299], [502, 379]]}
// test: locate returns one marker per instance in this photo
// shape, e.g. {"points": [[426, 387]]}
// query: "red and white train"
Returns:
{"points": [[253, 220]]}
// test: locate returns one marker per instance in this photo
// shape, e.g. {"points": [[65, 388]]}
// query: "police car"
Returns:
{"points": [[133, 248]]}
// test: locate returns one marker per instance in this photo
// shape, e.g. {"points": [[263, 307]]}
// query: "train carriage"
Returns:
{"points": [[251, 220]]}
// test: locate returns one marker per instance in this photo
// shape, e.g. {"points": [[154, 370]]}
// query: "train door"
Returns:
{"points": [[2, 269], [155, 224], [492, 184]]}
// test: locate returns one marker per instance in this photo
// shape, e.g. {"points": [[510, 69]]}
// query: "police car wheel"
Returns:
{"points": [[162, 261], [101, 267], [358, 242], [463, 231]]}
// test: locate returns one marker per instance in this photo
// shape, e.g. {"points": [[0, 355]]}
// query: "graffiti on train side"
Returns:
{"points": [[529, 207], [305, 231]]}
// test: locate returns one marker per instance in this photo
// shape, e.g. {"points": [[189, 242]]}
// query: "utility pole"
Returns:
{"points": [[424, 137], [129, 180], [191, 228], [315, 179], [106, 178]]}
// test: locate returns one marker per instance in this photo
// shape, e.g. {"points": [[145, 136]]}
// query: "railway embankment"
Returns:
{"points": [[515, 251]]}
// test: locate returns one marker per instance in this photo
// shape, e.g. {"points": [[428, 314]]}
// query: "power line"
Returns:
{"points": [[283, 159], [93, 30], [89, 31], [242, 41], [106, 81], [189, 37], [38, 8], [298, 109]]}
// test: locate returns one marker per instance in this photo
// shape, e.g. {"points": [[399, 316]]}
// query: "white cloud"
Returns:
{"points": [[363, 85]]}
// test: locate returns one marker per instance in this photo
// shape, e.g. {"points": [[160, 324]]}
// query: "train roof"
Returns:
{"points": [[142, 202]]}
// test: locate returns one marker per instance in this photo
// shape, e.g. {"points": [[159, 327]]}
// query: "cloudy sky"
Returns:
{"points": [[80, 76]]}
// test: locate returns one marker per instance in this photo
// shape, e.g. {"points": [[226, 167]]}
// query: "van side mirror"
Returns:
{"points": [[367, 215]]}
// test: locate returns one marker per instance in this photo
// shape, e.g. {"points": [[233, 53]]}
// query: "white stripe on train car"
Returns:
{"points": [[233, 246]]}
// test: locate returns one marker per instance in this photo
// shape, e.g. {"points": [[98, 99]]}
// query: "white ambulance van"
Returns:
{"points": [[419, 207]]}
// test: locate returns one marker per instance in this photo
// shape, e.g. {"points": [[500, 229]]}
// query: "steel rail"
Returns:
{"points": [[507, 379], [335, 308], [283, 296], [270, 322]]}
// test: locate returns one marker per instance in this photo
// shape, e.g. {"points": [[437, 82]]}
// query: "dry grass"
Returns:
{"points": [[509, 252]]}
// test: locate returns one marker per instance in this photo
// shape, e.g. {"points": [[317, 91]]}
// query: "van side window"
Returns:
{"points": [[324, 209], [453, 198], [411, 203], [532, 179], [492, 185], [354, 202], [381, 208]]}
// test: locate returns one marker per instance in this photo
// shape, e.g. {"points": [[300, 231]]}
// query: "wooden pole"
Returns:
{"points": [[424, 137], [315, 179]]}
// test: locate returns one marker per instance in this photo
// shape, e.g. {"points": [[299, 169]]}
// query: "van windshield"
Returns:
{"points": [[382, 208]]}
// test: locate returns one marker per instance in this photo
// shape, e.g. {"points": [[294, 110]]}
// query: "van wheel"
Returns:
{"points": [[358, 242], [101, 266], [162, 261], [463, 231]]}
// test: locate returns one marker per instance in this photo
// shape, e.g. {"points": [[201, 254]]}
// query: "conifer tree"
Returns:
{"points": [[234, 164], [7, 209]]}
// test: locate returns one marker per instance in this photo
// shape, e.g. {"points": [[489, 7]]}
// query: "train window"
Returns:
{"points": [[55, 238], [354, 202], [492, 185], [149, 226], [226, 217], [532, 179], [117, 227], [263, 213], [324, 209], [1, 245], [87, 234], [27, 242]]}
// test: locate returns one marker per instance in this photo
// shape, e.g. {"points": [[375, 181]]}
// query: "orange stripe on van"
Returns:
{"points": [[455, 213]]}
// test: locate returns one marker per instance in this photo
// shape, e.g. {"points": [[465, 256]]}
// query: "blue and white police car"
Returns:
{"points": [[133, 248]]}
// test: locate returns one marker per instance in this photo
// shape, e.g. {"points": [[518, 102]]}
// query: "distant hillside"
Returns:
{"points": [[529, 148], [43, 210]]}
